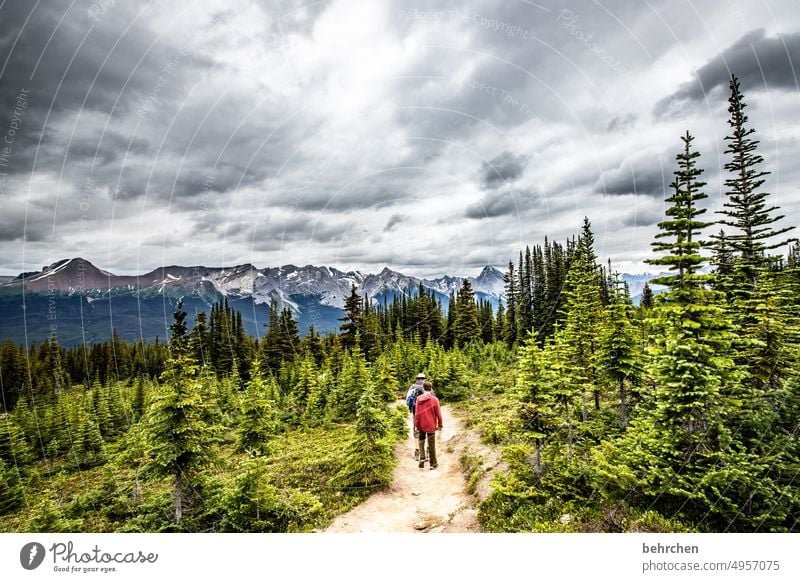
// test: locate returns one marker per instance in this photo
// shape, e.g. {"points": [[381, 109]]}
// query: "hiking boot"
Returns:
{"points": [[422, 464], [432, 467], [416, 454]]}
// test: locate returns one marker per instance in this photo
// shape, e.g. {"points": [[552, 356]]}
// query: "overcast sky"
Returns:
{"points": [[430, 137]]}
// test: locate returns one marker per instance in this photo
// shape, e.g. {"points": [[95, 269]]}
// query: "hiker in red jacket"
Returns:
{"points": [[427, 419]]}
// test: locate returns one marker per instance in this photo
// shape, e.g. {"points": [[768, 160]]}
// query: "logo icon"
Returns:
{"points": [[31, 555]]}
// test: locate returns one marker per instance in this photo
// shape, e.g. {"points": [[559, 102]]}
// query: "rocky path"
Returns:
{"points": [[419, 500]]}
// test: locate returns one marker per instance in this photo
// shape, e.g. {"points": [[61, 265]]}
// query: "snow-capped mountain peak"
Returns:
{"points": [[284, 284]]}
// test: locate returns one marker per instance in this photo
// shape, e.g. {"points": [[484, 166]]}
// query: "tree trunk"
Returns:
{"points": [[537, 459], [597, 400], [136, 488], [178, 497], [584, 414], [623, 403], [569, 432]]}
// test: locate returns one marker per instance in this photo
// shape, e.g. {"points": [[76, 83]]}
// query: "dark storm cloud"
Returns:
{"points": [[287, 233], [394, 221], [503, 169], [644, 175], [495, 203], [101, 148], [106, 66], [353, 191], [760, 63], [14, 229], [28, 222]]}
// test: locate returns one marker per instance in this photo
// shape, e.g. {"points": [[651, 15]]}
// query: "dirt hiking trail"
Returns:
{"points": [[419, 500]]}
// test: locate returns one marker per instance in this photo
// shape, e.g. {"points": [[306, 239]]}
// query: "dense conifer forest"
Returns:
{"points": [[679, 414]]}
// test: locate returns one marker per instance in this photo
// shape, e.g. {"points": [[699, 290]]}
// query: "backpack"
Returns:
{"points": [[411, 400]]}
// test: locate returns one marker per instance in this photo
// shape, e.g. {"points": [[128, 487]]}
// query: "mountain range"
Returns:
{"points": [[78, 302]]}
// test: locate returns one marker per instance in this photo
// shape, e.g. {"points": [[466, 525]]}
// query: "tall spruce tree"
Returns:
{"points": [[679, 235], [512, 298], [306, 383], [368, 459], [258, 419], [647, 299], [747, 210], [88, 448], [353, 320], [620, 357], [534, 385], [466, 327], [179, 437], [525, 298], [582, 313]]}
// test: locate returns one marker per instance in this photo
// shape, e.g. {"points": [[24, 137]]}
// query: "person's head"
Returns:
{"points": [[427, 386], [420, 378]]}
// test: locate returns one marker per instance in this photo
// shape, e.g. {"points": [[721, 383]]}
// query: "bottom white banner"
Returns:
{"points": [[356, 557]]}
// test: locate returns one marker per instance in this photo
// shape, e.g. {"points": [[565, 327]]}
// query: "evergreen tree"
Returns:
{"points": [[353, 320], [14, 449], [524, 299], [270, 347], [306, 383], [452, 312], [582, 312], [318, 397], [680, 233], [11, 490], [619, 353], [101, 407], [534, 385], [352, 381], [138, 400], [724, 266], [466, 328], [13, 372], [435, 320], [282, 341], [539, 293], [179, 437], [290, 336], [314, 345], [747, 210], [647, 299], [368, 461], [47, 516], [512, 299], [486, 321], [251, 504], [565, 385], [258, 420], [88, 448], [200, 340], [500, 322], [386, 384], [372, 338]]}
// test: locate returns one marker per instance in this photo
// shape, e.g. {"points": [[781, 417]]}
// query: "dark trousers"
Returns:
{"points": [[431, 438]]}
